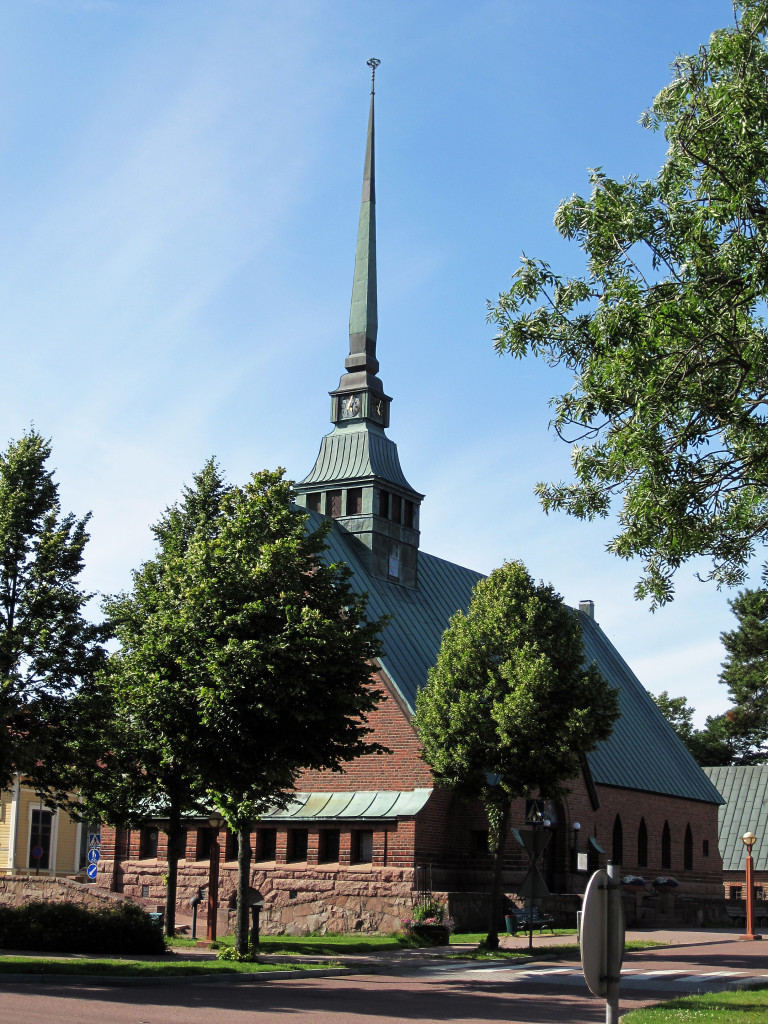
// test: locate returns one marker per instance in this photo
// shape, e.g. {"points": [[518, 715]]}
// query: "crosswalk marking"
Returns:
{"points": [[678, 979]]}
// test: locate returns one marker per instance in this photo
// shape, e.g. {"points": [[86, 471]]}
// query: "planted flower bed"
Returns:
{"points": [[429, 922]]}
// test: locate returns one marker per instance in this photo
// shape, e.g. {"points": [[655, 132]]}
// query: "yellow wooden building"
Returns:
{"points": [[36, 840]]}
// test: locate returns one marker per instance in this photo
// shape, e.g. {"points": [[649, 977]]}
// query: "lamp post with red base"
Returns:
{"points": [[749, 839], [213, 878]]}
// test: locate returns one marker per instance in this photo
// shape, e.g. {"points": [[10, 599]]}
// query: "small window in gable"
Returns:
{"points": [[394, 561], [333, 504]]}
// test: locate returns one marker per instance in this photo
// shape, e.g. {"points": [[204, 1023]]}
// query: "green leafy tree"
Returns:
{"points": [[47, 647], [285, 672], [510, 709], [244, 659], [146, 737], [718, 743], [677, 712], [745, 673], [664, 333]]}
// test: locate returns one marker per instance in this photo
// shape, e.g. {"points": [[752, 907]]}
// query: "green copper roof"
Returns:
{"points": [[643, 753], [363, 314], [745, 791], [360, 805], [353, 453]]}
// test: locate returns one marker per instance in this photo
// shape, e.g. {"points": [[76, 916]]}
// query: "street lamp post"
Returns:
{"points": [[215, 821], [749, 839]]}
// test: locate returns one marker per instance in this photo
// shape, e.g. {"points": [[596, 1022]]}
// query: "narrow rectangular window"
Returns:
{"points": [[363, 846], [148, 844], [298, 840], [329, 845], [333, 504], [705, 847], [40, 839], [408, 514], [394, 561], [396, 506], [266, 844], [313, 501], [354, 501], [384, 504], [204, 843]]}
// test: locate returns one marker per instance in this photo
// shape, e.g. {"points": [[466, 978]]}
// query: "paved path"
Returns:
{"points": [[412, 988]]}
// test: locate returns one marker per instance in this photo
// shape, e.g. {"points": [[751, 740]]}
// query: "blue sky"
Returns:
{"points": [[180, 183]]}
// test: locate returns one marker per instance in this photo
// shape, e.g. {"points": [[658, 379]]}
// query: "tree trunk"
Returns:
{"points": [[173, 833], [243, 887], [492, 939]]}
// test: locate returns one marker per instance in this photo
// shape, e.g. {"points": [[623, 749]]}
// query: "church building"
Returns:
{"points": [[352, 848]]}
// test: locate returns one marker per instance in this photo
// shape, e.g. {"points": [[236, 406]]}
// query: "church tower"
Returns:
{"points": [[357, 477]]}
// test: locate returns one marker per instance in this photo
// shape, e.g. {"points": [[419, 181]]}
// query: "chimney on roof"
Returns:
{"points": [[588, 607]]}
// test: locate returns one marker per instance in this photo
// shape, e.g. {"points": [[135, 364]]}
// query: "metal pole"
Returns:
{"points": [[750, 934], [614, 952]]}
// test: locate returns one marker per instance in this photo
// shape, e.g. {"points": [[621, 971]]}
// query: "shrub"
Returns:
{"points": [[69, 928]]}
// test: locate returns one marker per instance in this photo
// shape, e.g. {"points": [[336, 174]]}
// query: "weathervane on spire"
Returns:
{"points": [[373, 63]]}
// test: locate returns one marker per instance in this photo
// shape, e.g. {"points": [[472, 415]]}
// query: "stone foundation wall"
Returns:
{"points": [[18, 889], [297, 900]]}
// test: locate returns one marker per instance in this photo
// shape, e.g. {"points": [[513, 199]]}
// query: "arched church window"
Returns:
{"points": [[666, 846], [618, 841], [642, 845]]}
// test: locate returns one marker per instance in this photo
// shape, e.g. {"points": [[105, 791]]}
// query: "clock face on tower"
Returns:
{"points": [[350, 407]]}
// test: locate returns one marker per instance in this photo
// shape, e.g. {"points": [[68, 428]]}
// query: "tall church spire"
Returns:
{"points": [[357, 477], [363, 314]]}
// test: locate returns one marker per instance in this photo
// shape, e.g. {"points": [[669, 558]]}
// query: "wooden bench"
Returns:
{"points": [[520, 919], [738, 915]]}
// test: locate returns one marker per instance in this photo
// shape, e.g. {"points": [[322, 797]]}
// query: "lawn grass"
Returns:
{"points": [[326, 945], [125, 968], [747, 1006]]}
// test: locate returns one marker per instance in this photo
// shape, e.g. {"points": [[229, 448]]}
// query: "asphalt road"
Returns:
{"points": [[414, 990]]}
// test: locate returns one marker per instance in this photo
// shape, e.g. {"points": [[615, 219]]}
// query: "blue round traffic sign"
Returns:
{"points": [[91, 870], [93, 856], [37, 852]]}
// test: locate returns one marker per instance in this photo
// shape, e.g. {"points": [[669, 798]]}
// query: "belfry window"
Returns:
{"points": [[396, 505], [333, 504], [384, 504], [408, 514], [354, 501], [314, 501], [394, 562]]}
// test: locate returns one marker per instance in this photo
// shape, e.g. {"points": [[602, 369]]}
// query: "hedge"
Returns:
{"points": [[70, 928]]}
